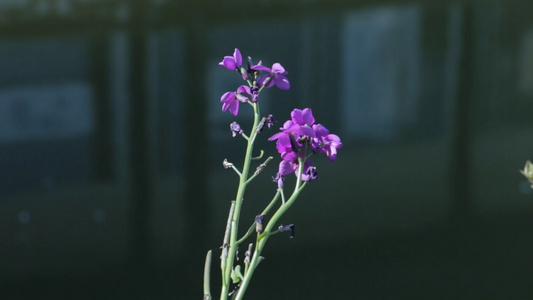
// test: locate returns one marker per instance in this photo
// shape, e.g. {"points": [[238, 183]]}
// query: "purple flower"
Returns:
{"points": [[324, 142], [231, 100], [286, 144], [297, 135], [331, 143], [232, 62], [310, 173], [303, 116], [294, 132], [275, 76], [289, 166]]}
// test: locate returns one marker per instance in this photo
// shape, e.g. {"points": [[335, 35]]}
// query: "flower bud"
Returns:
{"points": [[244, 73], [259, 223], [235, 129], [226, 164], [279, 180], [283, 228], [270, 121]]}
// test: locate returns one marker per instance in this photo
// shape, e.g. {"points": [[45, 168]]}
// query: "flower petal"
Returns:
{"points": [[288, 125], [265, 78], [228, 62], [307, 116], [296, 116], [238, 58], [320, 130], [287, 167], [277, 68], [282, 82], [259, 67], [285, 140], [332, 153], [289, 155], [225, 106], [244, 89], [306, 130], [277, 136], [227, 97], [234, 107], [334, 139]]}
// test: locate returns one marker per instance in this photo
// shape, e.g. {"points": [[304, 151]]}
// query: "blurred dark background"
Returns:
{"points": [[112, 138]]}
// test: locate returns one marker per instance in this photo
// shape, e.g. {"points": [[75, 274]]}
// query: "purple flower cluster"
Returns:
{"points": [[251, 73], [299, 135], [299, 138]]}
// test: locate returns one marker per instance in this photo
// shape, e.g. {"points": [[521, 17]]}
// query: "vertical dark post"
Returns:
{"points": [[99, 76], [433, 69], [195, 131], [462, 131], [141, 172]]}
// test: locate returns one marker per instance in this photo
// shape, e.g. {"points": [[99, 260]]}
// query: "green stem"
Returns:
{"points": [[272, 202], [225, 243], [262, 238], [260, 168], [236, 170], [265, 211], [248, 233], [238, 203], [207, 276]]}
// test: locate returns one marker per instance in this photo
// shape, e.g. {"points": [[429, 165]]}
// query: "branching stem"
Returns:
{"points": [[238, 204]]}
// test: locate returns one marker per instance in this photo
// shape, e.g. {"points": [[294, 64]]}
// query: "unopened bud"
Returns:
{"points": [[235, 129], [279, 180], [261, 124], [227, 164], [283, 228], [244, 73], [259, 223], [248, 254], [312, 173], [270, 121]]}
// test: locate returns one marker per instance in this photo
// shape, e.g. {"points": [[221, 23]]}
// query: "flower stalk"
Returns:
{"points": [[263, 237], [243, 182], [299, 139]]}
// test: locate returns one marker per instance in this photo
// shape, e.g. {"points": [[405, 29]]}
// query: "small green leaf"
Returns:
{"points": [[236, 274]]}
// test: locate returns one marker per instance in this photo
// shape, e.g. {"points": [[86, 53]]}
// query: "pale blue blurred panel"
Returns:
{"points": [[48, 114]]}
